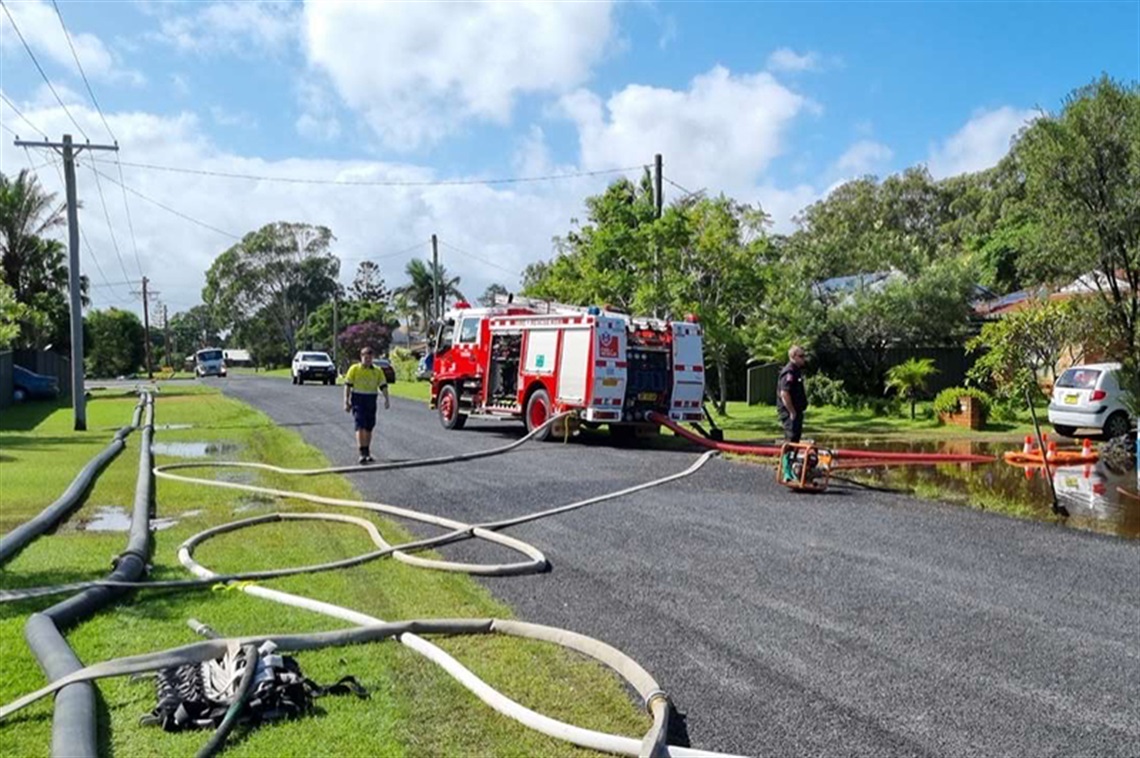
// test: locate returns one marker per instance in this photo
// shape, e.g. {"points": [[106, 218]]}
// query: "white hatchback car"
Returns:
{"points": [[1089, 397]]}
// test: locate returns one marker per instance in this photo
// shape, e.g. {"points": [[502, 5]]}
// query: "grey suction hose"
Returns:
{"points": [[653, 743], [215, 648], [19, 538], [73, 725], [459, 531]]}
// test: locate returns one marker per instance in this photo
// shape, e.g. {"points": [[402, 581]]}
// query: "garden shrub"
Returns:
{"points": [[947, 400], [823, 390]]}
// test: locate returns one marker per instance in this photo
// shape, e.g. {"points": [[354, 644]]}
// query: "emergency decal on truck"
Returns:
{"points": [[540, 360], [607, 345]]}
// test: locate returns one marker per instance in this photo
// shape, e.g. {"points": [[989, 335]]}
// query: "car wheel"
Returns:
{"points": [[448, 405], [1117, 425], [1065, 431], [538, 413], [293, 378], [300, 379]]}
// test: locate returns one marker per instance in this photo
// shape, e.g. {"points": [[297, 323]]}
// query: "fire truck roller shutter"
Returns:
{"points": [[574, 368]]}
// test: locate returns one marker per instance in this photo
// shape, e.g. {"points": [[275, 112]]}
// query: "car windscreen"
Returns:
{"points": [[315, 358], [210, 355], [1079, 378]]}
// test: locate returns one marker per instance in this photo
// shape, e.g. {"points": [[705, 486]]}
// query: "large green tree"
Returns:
{"points": [[368, 284], [34, 266], [711, 256], [610, 259], [115, 343], [271, 279], [1082, 169], [1029, 346], [11, 313]]}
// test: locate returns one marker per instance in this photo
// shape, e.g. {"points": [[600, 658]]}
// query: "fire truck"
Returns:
{"points": [[529, 359]]}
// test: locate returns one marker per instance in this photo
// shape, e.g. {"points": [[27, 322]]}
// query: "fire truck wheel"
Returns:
{"points": [[448, 404], [538, 413]]}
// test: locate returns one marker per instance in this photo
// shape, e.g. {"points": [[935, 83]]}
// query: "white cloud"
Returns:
{"points": [[863, 157], [251, 28], [226, 117], [40, 26], [417, 71], [721, 133], [981, 143], [786, 59], [318, 120], [507, 225]]}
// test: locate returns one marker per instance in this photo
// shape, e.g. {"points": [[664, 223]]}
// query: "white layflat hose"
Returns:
{"points": [[655, 700]]}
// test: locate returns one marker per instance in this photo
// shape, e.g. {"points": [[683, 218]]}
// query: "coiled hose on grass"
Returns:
{"points": [[656, 702]]}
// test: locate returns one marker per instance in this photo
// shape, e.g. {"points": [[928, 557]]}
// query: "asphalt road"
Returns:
{"points": [[850, 624]]}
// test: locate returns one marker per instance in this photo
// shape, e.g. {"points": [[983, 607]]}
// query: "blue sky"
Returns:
{"points": [[774, 103]]}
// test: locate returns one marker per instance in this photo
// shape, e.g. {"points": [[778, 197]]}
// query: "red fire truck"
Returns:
{"points": [[530, 359]]}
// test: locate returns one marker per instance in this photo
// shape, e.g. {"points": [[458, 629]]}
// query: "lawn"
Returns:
{"points": [[840, 424], [415, 709]]}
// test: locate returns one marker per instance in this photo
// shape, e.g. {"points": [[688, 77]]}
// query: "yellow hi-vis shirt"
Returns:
{"points": [[365, 380]]}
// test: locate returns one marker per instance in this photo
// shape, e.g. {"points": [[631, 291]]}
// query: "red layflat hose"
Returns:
{"points": [[845, 455]]}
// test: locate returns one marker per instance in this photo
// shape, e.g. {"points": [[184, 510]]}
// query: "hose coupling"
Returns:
{"points": [[654, 695]]}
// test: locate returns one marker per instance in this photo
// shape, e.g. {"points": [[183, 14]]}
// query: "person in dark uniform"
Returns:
{"points": [[791, 397]]}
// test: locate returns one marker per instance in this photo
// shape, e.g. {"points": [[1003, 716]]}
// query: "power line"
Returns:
{"points": [[41, 70], [379, 183], [21, 115], [107, 126], [110, 227], [678, 186], [447, 244], [364, 258], [82, 73], [166, 208], [82, 234]]}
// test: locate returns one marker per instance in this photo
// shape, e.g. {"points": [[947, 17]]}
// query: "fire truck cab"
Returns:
{"points": [[530, 360]]}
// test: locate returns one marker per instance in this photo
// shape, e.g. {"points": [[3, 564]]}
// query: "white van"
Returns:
{"points": [[209, 362], [1089, 397]]}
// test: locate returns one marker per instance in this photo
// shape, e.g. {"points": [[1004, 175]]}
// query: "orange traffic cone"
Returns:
{"points": [[1052, 451], [1028, 448], [1086, 448]]}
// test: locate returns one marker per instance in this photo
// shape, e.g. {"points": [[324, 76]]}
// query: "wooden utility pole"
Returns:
{"points": [[336, 304], [69, 150], [146, 326], [437, 311], [659, 203], [166, 338]]}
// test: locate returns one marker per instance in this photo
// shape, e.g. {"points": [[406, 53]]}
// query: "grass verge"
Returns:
{"points": [[835, 424], [415, 709]]}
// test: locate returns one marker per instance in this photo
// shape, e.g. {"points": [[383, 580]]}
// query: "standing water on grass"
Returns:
{"points": [[1089, 492], [192, 449]]}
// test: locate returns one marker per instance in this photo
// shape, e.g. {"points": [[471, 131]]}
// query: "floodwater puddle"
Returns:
{"points": [[112, 518], [193, 449], [254, 502], [1091, 493]]}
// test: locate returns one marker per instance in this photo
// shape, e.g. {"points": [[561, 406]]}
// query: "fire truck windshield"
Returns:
{"points": [[469, 331], [443, 335]]}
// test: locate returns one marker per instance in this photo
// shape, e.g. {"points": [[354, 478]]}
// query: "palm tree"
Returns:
{"points": [[420, 291], [26, 213], [909, 379]]}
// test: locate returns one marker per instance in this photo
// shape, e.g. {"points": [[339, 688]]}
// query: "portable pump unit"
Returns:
{"points": [[804, 467]]}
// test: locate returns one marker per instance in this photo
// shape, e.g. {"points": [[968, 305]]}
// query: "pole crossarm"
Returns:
{"points": [[76, 147]]}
